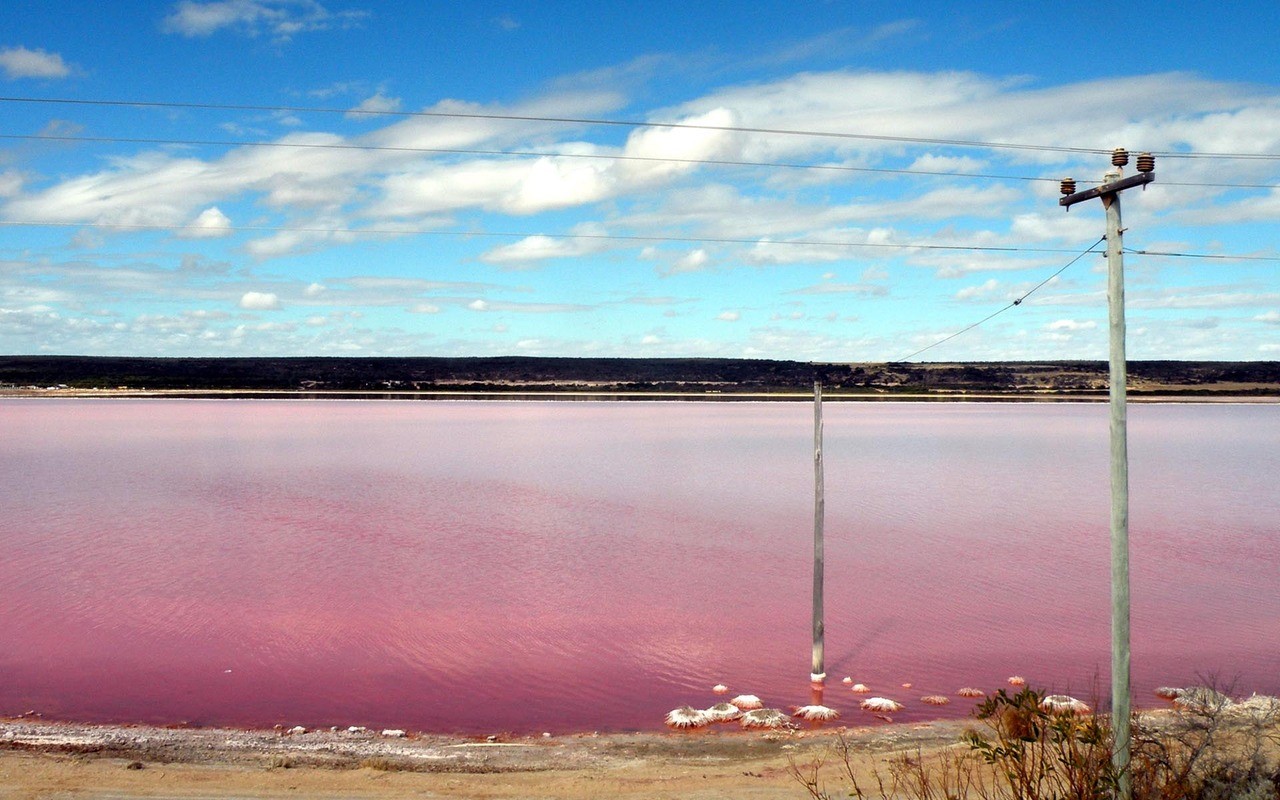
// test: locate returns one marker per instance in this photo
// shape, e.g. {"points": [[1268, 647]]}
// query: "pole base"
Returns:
{"points": [[817, 677]]}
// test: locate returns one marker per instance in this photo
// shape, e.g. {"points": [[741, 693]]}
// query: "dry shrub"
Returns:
{"points": [[1037, 753], [1020, 751], [1210, 751]]}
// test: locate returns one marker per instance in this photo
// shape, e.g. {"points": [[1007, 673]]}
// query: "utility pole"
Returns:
{"points": [[1113, 183], [818, 672]]}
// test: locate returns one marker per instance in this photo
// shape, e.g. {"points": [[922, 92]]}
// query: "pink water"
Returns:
{"points": [[479, 567]]}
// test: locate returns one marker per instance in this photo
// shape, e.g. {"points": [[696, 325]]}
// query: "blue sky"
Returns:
{"points": [[304, 227]]}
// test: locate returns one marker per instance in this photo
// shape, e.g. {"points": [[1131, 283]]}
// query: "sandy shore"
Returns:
{"points": [[63, 760]]}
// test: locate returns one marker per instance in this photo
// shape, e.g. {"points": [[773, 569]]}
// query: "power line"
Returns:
{"points": [[1016, 302], [515, 153], [1222, 256], [527, 234], [624, 123], [559, 154], [562, 120], [588, 156]]}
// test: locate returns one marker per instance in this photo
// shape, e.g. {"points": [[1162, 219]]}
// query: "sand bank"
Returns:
{"points": [[56, 760]]}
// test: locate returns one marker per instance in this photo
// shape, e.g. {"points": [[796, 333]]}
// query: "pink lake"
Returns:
{"points": [[477, 567]]}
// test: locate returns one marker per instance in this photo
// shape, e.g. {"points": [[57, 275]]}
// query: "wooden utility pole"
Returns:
{"points": [[818, 671], [1109, 192]]}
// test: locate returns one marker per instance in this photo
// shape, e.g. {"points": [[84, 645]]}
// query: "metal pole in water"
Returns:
{"points": [[818, 671]]}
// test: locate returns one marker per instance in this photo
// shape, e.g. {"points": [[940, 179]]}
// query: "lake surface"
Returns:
{"points": [[486, 566]]}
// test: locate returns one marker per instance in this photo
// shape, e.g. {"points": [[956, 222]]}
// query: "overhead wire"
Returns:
{"points": [[551, 119], [515, 153], [587, 156], [622, 123], [1220, 256], [1016, 302]]}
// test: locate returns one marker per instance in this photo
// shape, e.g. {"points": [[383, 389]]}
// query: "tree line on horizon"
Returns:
{"points": [[625, 374]]}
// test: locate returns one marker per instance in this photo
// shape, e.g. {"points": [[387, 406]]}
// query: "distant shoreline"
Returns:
{"points": [[655, 379], [576, 395]]}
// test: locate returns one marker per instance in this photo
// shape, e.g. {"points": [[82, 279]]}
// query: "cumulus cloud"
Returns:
{"points": [[281, 19], [260, 301], [210, 224], [1270, 317], [19, 62], [729, 316]]}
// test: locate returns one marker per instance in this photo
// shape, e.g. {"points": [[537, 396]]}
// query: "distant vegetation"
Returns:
{"points": [[684, 375]]}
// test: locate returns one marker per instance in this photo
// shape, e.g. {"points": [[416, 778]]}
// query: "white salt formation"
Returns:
{"points": [[765, 718], [817, 713], [881, 704], [747, 702], [687, 717]]}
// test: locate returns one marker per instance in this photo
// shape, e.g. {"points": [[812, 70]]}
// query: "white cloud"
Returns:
{"points": [[1271, 317], [19, 62], [210, 224], [10, 183], [527, 308], [930, 162], [260, 301], [1071, 325], [514, 187], [314, 197], [693, 261], [683, 145], [539, 248], [314, 289], [982, 290], [729, 316], [1180, 298], [373, 106], [281, 19], [830, 287], [425, 308]]}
